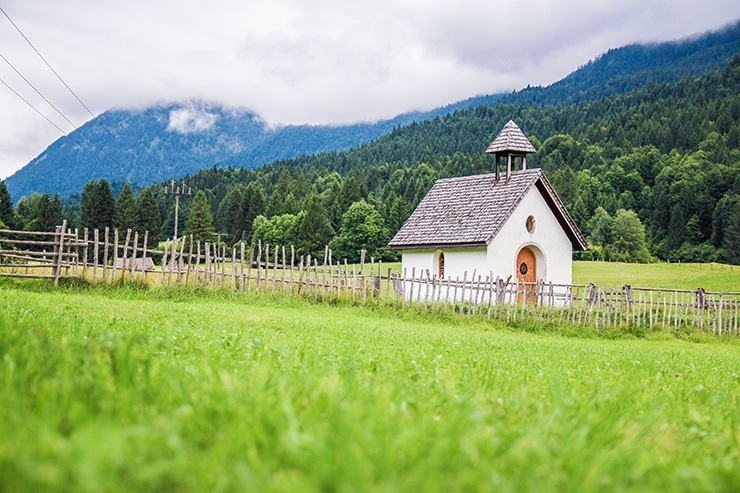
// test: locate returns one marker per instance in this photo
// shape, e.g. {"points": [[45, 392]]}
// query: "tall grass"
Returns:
{"points": [[125, 390]]}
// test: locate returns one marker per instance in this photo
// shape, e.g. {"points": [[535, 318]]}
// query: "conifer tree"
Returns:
{"points": [[200, 219], [230, 211], [47, 213], [315, 231], [88, 215], [253, 206], [147, 216], [24, 212], [731, 240], [98, 207], [126, 209], [57, 215], [7, 217]]}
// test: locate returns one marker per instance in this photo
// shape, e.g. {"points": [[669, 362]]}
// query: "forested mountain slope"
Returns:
{"points": [[173, 140], [669, 152]]}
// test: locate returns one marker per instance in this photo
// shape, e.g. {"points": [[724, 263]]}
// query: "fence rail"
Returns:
{"points": [[112, 256]]}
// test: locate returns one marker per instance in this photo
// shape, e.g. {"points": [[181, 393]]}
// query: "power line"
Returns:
{"points": [[82, 145], [67, 86], [38, 92], [56, 109], [33, 107]]}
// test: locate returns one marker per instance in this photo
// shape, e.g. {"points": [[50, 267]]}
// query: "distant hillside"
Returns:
{"points": [[173, 140], [170, 141]]}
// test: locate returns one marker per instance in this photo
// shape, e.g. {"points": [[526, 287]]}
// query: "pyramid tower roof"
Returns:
{"points": [[510, 139]]}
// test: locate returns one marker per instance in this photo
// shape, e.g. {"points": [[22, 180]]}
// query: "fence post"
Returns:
{"points": [[58, 251]]}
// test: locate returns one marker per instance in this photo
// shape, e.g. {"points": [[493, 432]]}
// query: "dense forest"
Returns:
{"points": [[651, 174]]}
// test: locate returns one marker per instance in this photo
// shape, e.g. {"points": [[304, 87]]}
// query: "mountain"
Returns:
{"points": [[169, 141]]}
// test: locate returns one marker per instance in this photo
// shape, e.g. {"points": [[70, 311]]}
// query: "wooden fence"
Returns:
{"points": [[112, 256]]}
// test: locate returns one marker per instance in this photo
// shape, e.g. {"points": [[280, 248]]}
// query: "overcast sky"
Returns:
{"points": [[301, 61]]}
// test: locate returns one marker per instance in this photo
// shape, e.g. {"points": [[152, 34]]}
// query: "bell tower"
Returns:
{"points": [[510, 146]]}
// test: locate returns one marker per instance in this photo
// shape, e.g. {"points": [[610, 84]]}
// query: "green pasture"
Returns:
{"points": [[710, 277], [135, 389]]}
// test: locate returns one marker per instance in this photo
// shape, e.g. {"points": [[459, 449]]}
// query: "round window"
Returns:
{"points": [[530, 224], [523, 269]]}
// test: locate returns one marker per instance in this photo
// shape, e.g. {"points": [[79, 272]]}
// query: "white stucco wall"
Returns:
{"points": [[458, 261], [551, 245]]}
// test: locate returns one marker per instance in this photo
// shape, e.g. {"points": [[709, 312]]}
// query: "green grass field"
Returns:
{"points": [[711, 277], [123, 389]]}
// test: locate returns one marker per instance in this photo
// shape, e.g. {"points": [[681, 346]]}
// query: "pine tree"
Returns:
{"points": [[315, 231], [98, 207], [731, 239], [24, 212], [147, 216], [48, 213], [230, 212], [676, 227], [126, 209], [88, 212], [56, 210], [276, 206], [106, 204], [200, 219], [253, 206], [7, 217], [398, 212]]}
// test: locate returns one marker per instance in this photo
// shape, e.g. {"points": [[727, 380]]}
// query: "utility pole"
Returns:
{"points": [[177, 190]]}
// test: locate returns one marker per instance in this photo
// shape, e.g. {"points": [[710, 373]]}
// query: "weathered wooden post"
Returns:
{"points": [[58, 251]]}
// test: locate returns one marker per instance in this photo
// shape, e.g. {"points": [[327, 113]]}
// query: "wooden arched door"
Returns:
{"points": [[526, 272]]}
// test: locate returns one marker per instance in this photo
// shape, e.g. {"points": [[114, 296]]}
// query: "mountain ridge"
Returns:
{"points": [[176, 139]]}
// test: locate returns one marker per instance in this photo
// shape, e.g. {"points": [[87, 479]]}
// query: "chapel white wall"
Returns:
{"points": [[551, 245]]}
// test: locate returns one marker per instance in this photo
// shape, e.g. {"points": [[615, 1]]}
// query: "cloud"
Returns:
{"points": [[292, 61], [191, 119]]}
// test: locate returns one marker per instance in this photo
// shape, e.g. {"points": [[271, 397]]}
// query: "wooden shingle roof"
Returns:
{"points": [[471, 210], [512, 139]]}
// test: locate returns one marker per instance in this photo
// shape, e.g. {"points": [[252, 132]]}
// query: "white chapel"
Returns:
{"points": [[508, 224]]}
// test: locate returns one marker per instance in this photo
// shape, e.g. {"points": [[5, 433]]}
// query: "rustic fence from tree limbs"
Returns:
{"points": [[111, 256]]}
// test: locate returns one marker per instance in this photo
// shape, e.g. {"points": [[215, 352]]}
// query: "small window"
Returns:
{"points": [[523, 268], [530, 224], [441, 265]]}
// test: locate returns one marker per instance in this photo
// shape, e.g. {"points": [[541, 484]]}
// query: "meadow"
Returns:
{"points": [[711, 277], [133, 388]]}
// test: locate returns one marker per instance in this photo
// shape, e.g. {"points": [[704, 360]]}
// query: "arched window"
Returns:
{"points": [[441, 265], [530, 224]]}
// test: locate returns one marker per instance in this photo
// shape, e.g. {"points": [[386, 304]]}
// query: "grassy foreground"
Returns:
{"points": [[124, 390]]}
